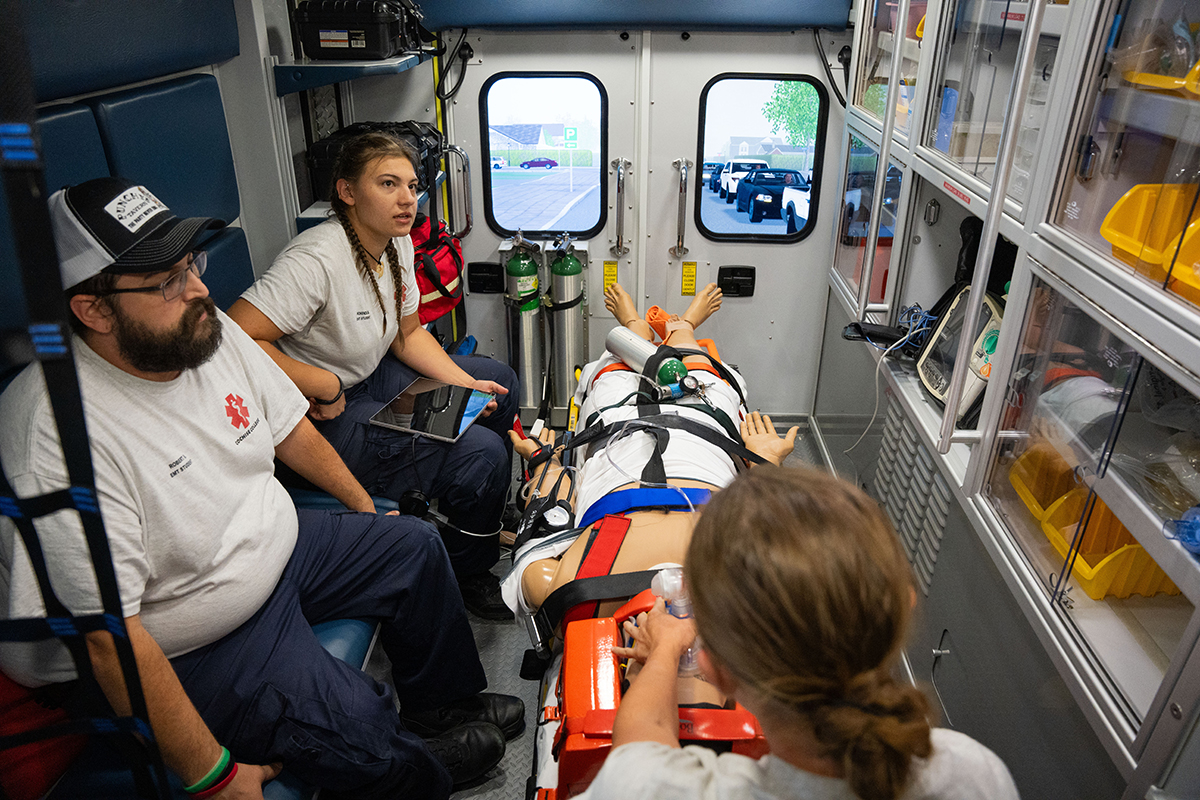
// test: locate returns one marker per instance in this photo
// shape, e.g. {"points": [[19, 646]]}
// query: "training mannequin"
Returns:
{"points": [[655, 537]]}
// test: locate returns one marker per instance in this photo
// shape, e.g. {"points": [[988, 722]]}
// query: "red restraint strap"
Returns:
{"points": [[604, 542]]}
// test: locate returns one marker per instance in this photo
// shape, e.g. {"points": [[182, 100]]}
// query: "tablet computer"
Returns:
{"points": [[433, 409]]}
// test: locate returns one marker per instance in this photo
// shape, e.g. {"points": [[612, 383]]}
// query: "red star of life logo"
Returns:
{"points": [[235, 409]]}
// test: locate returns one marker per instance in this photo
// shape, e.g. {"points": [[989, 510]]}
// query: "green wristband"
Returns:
{"points": [[207, 780]]}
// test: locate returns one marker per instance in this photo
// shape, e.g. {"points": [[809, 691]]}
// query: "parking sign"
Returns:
{"points": [[570, 134]]}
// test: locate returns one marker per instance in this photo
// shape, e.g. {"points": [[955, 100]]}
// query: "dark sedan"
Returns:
{"points": [[760, 192], [714, 182], [548, 163]]}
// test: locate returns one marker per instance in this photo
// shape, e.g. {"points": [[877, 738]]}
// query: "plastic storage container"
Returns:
{"points": [[360, 30], [1110, 562], [1040, 477], [1146, 223]]}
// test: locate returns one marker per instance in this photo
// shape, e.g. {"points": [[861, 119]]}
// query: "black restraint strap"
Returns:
{"points": [[590, 590], [552, 307], [694, 427]]}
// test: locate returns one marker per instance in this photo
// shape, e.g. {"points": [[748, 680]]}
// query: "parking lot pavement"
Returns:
{"points": [[722, 217], [540, 199]]}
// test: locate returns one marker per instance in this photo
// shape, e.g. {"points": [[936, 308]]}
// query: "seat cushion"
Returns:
{"points": [[171, 137], [229, 270], [71, 148]]}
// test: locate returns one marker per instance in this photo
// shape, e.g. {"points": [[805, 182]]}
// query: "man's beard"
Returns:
{"points": [[174, 350]]}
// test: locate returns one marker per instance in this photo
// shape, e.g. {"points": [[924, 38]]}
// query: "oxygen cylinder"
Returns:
{"points": [[524, 304], [635, 351], [566, 325]]}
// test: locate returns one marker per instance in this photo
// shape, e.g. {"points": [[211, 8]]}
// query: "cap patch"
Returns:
{"points": [[134, 207]]}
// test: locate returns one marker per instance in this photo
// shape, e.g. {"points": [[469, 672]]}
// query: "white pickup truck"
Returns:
{"points": [[734, 171], [794, 206]]}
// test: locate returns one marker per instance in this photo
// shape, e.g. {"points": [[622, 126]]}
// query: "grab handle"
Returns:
{"points": [[991, 227], [938, 652], [466, 188], [622, 166], [879, 192], [683, 165]]}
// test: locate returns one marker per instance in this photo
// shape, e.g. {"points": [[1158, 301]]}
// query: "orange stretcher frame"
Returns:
{"points": [[589, 694]]}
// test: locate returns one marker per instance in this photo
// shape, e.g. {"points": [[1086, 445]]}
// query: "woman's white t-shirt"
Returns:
{"points": [[959, 768], [329, 315]]}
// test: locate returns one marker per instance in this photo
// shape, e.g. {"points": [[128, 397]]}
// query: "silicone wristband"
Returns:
{"points": [[336, 397], [211, 775], [212, 790]]}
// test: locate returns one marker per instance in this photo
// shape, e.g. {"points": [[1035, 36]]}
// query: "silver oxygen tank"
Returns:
{"points": [[636, 351], [523, 302], [566, 324]]}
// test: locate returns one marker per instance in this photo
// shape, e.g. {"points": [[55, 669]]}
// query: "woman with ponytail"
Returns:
{"points": [[801, 598], [337, 310]]}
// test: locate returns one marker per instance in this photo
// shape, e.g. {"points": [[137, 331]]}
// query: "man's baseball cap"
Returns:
{"points": [[113, 225]]}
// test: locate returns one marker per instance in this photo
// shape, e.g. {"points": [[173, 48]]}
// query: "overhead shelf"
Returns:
{"points": [[912, 47], [998, 14], [301, 75], [1154, 112]]}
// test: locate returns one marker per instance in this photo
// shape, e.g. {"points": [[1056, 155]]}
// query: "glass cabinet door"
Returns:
{"points": [[875, 68], [859, 193], [1131, 190], [973, 77], [1098, 451]]}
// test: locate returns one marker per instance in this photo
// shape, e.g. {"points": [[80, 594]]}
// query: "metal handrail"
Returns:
{"points": [[991, 227], [683, 165], [885, 158], [621, 165], [466, 188]]}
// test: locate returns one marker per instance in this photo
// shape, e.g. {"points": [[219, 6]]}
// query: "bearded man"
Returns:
{"points": [[220, 577]]}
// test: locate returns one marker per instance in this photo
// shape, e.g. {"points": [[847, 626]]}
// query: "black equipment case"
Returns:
{"points": [[360, 30], [423, 136]]}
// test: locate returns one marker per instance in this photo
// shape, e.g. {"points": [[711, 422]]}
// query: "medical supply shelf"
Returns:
{"points": [[1123, 637], [297, 76]]}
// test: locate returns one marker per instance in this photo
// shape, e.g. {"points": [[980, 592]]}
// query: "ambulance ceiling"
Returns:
{"points": [[679, 15]]}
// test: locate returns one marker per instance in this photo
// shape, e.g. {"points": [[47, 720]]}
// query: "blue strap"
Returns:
{"points": [[646, 497]]}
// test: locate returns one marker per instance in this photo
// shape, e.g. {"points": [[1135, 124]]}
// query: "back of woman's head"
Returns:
{"points": [[801, 591], [359, 153]]}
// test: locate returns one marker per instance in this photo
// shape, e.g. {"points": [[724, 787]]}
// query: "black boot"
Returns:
{"points": [[468, 751], [504, 711], [481, 596]]}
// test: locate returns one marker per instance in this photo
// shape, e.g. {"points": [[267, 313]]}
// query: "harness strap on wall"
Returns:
{"points": [[25, 191]]}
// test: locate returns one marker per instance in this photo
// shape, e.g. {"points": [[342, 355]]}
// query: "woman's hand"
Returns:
{"points": [[760, 437], [321, 412], [492, 388], [248, 782], [657, 631]]}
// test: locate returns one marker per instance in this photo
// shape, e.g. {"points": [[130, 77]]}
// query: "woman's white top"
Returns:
{"points": [[959, 768], [314, 293]]}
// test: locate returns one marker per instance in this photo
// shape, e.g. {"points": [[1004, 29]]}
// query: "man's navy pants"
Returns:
{"points": [[269, 692]]}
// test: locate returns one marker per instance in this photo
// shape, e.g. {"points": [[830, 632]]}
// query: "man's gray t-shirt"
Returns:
{"points": [[199, 528]]}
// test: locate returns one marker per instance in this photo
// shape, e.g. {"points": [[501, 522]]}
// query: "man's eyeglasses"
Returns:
{"points": [[174, 285]]}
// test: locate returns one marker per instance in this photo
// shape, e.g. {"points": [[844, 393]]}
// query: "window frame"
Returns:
{"points": [[486, 154], [818, 159]]}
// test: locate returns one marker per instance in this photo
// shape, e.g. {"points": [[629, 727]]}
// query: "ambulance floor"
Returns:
{"points": [[501, 648]]}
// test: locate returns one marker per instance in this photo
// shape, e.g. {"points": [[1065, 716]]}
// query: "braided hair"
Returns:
{"points": [[802, 592], [352, 161]]}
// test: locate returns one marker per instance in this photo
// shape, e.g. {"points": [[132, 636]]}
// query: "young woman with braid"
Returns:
{"points": [[801, 598], [337, 310]]}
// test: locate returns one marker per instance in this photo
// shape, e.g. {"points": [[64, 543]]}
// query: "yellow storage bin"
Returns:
{"points": [[1110, 562], [1041, 476], [1146, 223]]}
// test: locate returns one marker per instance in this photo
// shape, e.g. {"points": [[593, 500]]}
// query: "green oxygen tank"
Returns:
{"points": [[524, 303], [566, 323]]}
